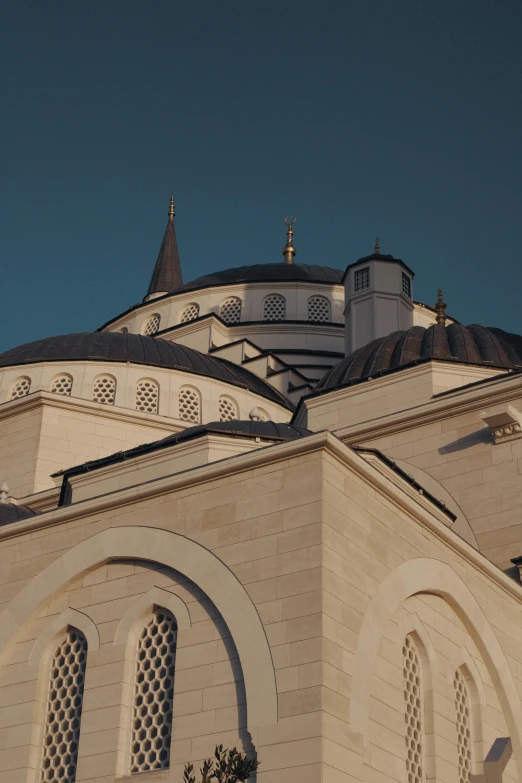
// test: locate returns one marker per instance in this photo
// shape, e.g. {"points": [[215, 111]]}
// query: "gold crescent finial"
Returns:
{"points": [[289, 250], [440, 309], [171, 208], [377, 247]]}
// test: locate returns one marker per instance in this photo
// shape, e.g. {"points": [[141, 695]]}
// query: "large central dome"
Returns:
{"points": [[268, 273]]}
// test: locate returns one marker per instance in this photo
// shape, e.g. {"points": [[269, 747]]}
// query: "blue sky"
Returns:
{"points": [[392, 117]]}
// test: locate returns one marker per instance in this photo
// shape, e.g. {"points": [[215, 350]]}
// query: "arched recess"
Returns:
{"points": [[70, 617], [155, 597], [191, 559], [464, 663], [426, 575]]}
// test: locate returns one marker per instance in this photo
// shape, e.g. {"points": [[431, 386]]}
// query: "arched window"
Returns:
{"points": [[319, 309], [153, 693], [227, 409], [152, 325], [104, 390], [464, 723], [147, 395], [64, 709], [230, 310], [414, 711], [21, 388], [274, 308], [189, 313], [189, 404], [62, 384]]}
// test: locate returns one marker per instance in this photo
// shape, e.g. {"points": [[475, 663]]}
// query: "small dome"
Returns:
{"points": [[138, 349], [268, 273], [10, 512], [473, 344]]}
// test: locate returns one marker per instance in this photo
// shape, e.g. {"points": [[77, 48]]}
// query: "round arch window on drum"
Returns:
{"points": [[274, 308]]}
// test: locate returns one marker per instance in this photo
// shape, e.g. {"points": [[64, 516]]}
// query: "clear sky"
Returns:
{"points": [[400, 118]]}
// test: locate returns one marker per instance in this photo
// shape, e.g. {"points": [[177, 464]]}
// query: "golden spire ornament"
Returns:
{"points": [[171, 208], [440, 309], [289, 250]]}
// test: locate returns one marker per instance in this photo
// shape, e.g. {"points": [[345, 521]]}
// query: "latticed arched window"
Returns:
{"points": [[227, 409], [21, 387], [274, 308], [230, 310], [64, 709], [189, 313], [152, 325], [62, 384], [464, 722], [414, 711], [319, 309], [104, 389], [154, 693], [147, 395], [189, 404]]}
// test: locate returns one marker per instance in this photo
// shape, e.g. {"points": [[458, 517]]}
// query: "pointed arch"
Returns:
{"points": [[156, 596], [59, 624]]}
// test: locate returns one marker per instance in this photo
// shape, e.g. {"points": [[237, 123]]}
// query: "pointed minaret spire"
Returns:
{"points": [[440, 309], [167, 272], [289, 250]]}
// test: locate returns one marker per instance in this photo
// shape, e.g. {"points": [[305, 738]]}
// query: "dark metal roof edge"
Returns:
{"points": [[377, 257], [406, 476]]}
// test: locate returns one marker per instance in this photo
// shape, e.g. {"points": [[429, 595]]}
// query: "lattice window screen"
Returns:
{"points": [[189, 313], [318, 308], [154, 693], [231, 310], [64, 709], [274, 308], [227, 409], [62, 384], [104, 390], [152, 325], [147, 396], [20, 388], [414, 717], [189, 405], [464, 726]]}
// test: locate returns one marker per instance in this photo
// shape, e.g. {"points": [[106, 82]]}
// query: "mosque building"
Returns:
{"points": [[278, 507]]}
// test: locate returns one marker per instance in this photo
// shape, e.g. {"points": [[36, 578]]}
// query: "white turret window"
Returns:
{"points": [[64, 709], [21, 387], [189, 405], [414, 712], [147, 396], [104, 390], [62, 384], [154, 693], [361, 279], [319, 309], [227, 409], [152, 325], [274, 308], [406, 285], [189, 313], [230, 310]]}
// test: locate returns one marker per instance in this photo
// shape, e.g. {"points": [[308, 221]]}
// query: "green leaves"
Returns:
{"points": [[227, 766]]}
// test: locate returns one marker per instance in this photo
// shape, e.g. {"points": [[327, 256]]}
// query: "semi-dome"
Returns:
{"points": [[478, 345], [10, 512], [267, 273], [137, 349]]}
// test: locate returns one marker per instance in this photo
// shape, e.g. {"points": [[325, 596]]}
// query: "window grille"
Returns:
{"points": [[152, 325], [362, 279], [274, 308], [230, 310], [227, 409], [406, 285], [64, 709], [147, 396], [21, 388], [154, 693], [318, 308], [464, 727], [189, 313], [104, 390], [413, 712], [189, 405], [62, 384]]}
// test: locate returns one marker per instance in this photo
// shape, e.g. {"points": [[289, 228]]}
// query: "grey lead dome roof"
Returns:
{"points": [[10, 512], [267, 273], [466, 344], [138, 349]]}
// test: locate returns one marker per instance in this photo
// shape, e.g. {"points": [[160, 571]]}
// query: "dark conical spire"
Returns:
{"points": [[167, 272]]}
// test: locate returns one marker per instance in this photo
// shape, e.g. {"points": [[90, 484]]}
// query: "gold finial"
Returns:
{"points": [[289, 250], [440, 309], [377, 247], [171, 208]]}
